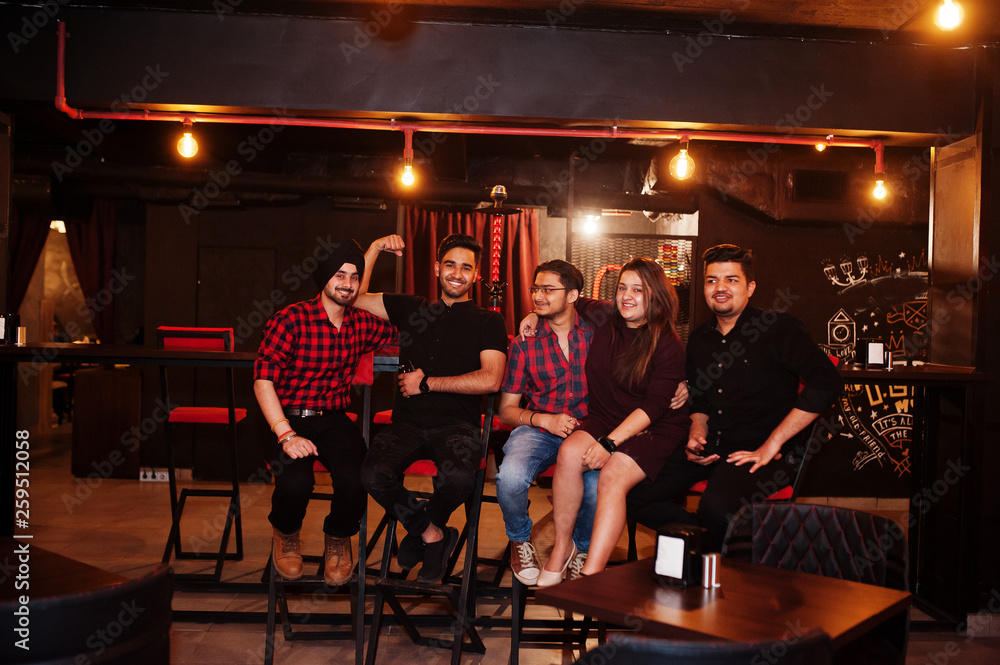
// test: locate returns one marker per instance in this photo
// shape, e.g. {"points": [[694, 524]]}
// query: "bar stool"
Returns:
{"points": [[202, 339], [458, 591], [277, 598]]}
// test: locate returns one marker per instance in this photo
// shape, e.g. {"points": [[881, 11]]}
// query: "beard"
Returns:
{"points": [[339, 298]]}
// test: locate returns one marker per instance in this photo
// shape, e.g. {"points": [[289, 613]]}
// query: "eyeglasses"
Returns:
{"points": [[544, 289]]}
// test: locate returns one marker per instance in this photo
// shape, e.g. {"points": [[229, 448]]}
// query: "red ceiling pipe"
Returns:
{"points": [[409, 127]]}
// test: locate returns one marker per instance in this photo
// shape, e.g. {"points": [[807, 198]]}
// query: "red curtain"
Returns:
{"points": [[425, 229], [28, 233], [92, 246]]}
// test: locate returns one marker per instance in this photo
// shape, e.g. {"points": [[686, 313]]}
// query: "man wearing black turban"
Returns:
{"points": [[302, 380]]}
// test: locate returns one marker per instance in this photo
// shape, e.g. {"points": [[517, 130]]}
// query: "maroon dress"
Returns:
{"points": [[611, 402]]}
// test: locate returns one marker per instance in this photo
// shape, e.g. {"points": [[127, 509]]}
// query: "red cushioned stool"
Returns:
{"points": [[202, 339]]}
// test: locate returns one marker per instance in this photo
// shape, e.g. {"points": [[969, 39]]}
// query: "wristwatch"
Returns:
{"points": [[608, 444], [424, 388]]}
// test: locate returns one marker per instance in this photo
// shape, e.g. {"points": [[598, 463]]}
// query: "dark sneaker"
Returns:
{"points": [[436, 556], [524, 562], [411, 551]]}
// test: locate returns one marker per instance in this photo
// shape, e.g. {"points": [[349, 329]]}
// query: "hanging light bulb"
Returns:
{"points": [[949, 15], [880, 192], [187, 144], [682, 166], [407, 178], [820, 147]]}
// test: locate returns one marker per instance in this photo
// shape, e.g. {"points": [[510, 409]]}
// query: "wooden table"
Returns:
{"points": [[753, 603]]}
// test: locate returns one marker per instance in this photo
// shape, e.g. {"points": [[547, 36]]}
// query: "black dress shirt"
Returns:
{"points": [[748, 380]]}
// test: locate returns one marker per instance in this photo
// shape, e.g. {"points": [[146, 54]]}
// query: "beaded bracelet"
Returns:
{"points": [[286, 437]]}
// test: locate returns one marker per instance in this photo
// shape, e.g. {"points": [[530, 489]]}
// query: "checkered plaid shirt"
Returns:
{"points": [[538, 370], [312, 363]]}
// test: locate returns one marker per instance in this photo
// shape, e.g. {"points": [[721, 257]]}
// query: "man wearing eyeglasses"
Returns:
{"points": [[547, 370]]}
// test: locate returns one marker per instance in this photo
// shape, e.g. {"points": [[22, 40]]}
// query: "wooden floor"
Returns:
{"points": [[121, 526]]}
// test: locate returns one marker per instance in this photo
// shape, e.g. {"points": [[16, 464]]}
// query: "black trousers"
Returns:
{"points": [[653, 504], [341, 450], [456, 451]]}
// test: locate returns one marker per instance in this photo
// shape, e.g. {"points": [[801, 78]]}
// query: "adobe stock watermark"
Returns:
{"points": [[381, 17], [130, 440], [32, 25], [87, 310], [714, 28], [561, 13], [760, 154], [426, 143], [581, 159], [92, 138], [902, 13], [219, 180]]}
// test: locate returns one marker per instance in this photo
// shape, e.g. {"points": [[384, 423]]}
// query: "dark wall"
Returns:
{"points": [[269, 62]]}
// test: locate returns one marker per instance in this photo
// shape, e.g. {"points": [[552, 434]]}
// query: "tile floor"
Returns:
{"points": [[121, 526]]}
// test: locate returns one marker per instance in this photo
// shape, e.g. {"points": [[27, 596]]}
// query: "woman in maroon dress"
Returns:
{"points": [[635, 363]]}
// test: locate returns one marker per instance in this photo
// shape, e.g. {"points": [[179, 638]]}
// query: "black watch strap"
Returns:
{"points": [[424, 388], [608, 444]]}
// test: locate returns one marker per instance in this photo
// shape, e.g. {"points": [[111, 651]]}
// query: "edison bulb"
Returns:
{"points": [[949, 15], [880, 191], [187, 145], [682, 166], [408, 178]]}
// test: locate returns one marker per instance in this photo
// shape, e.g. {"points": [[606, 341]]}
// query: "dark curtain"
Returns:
{"points": [[28, 233], [92, 246], [425, 229]]}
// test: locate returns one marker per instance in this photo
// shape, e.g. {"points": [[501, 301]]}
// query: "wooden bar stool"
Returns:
{"points": [[202, 339]]}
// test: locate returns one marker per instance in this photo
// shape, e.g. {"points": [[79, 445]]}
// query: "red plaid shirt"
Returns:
{"points": [[310, 362], [538, 370]]}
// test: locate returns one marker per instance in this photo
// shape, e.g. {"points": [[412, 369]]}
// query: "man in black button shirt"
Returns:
{"points": [[744, 369], [457, 352]]}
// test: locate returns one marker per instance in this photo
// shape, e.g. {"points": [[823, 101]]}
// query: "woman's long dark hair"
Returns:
{"points": [[661, 312]]}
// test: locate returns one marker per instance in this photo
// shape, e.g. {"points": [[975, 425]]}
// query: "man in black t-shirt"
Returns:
{"points": [[744, 368], [457, 352]]}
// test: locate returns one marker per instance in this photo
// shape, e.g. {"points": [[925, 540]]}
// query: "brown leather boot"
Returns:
{"points": [[286, 552], [338, 561]]}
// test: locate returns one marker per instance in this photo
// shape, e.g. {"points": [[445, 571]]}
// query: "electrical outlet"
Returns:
{"points": [[154, 475]]}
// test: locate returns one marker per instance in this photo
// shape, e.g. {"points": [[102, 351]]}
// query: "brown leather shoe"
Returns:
{"points": [[338, 561], [286, 552]]}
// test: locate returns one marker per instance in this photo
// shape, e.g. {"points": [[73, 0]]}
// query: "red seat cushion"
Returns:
{"points": [[425, 467], [497, 425], [549, 472], [383, 417], [352, 416], [204, 414], [215, 339], [784, 494]]}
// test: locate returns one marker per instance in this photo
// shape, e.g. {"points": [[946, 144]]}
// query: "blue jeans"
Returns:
{"points": [[527, 453]]}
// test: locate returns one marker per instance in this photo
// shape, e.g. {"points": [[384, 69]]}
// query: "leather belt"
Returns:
{"points": [[308, 413]]}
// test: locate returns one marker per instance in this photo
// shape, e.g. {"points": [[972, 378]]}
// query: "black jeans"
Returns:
{"points": [[341, 450], [456, 451], [729, 488]]}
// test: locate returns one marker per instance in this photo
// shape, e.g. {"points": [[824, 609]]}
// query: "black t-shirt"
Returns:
{"points": [[748, 380], [442, 341]]}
